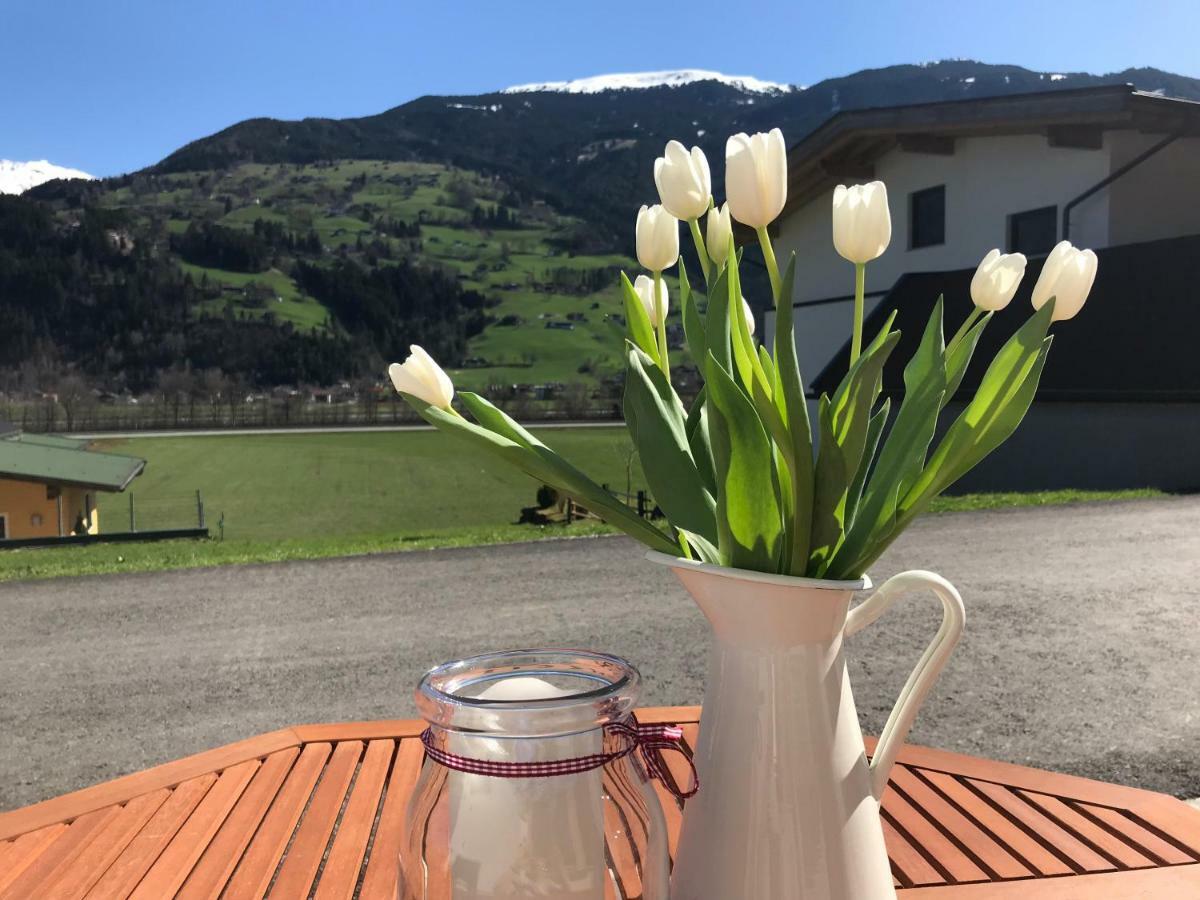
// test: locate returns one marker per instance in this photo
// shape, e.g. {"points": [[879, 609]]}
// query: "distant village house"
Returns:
{"points": [[48, 484]]}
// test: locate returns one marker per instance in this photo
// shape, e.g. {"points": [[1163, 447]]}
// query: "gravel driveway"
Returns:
{"points": [[1080, 653]]}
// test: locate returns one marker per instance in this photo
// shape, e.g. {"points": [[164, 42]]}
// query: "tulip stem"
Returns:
{"points": [[768, 253], [701, 251], [970, 320], [661, 309], [860, 289]]}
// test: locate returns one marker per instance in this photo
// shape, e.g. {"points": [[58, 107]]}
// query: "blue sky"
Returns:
{"points": [[114, 86]]}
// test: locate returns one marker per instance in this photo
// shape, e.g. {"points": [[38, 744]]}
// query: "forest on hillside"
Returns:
{"points": [[94, 292]]}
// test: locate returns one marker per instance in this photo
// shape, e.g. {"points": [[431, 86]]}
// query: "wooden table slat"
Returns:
{"points": [[1132, 831], [88, 868], [908, 864], [1014, 839], [123, 875], [172, 867], [340, 875], [210, 874], [76, 803], [257, 867], [1065, 845], [379, 881], [911, 819], [304, 857], [1120, 852], [972, 841], [57, 858], [27, 848], [315, 810], [1170, 883]]}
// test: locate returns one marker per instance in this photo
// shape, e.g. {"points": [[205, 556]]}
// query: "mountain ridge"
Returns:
{"points": [[488, 228], [591, 154], [17, 177], [627, 81]]}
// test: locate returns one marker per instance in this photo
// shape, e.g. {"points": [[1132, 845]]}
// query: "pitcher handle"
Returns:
{"points": [[928, 668]]}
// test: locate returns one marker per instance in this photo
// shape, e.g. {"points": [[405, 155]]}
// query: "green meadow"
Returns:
{"points": [[523, 269], [309, 496]]}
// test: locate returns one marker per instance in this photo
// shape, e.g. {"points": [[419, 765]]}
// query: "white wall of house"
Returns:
{"points": [[1160, 198], [988, 179]]}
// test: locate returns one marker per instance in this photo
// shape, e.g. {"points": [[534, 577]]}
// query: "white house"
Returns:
{"points": [[1110, 168]]}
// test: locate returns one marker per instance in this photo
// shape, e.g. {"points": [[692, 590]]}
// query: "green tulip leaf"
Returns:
{"points": [[704, 549], [960, 358], [693, 324], [830, 487], [698, 440], [749, 520], [639, 330], [1003, 398], [659, 431], [716, 322], [793, 407], [526, 453], [874, 433], [903, 453]]}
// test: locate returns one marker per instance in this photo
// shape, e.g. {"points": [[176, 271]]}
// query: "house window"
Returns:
{"points": [[1034, 231], [3, 526], [927, 217]]}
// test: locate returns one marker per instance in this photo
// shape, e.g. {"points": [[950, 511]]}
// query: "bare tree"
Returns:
{"points": [[74, 396], [176, 385]]}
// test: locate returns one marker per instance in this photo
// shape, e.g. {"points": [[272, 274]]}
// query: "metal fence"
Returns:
{"points": [[272, 413]]}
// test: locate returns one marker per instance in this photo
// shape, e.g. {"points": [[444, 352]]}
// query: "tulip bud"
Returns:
{"points": [[997, 279], [862, 223], [657, 238], [749, 316], [717, 232], [1067, 276], [423, 378], [644, 285], [756, 177], [683, 180]]}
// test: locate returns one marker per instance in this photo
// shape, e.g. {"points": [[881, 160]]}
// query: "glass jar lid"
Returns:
{"points": [[529, 693]]}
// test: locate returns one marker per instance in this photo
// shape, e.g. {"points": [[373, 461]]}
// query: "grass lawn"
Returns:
{"points": [[290, 304], [305, 496]]}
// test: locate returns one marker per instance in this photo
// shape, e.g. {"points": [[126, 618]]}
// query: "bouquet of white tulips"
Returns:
{"points": [[744, 478]]}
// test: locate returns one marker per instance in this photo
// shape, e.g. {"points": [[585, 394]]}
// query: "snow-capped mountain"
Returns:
{"points": [[18, 177], [636, 80]]}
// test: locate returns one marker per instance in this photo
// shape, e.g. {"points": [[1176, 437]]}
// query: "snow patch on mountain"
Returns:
{"points": [[638, 80], [18, 177]]}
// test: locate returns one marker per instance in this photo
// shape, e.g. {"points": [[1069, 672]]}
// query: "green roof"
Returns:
{"points": [[49, 440], [57, 460]]}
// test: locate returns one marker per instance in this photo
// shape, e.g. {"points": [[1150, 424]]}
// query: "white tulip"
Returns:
{"points": [[1067, 276], [657, 238], [756, 177], [644, 285], [997, 279], [749, 316], [718, 229], [862, 223], [683, 180], [423, 378]]}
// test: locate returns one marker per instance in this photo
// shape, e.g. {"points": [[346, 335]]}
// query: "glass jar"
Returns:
{"points": [[531, 786]]}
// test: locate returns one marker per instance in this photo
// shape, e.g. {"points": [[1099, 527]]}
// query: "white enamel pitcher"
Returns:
{"points": [[788, 807]]}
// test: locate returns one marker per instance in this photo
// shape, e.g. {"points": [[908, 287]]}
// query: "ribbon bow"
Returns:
{"points": [[650, 740]]}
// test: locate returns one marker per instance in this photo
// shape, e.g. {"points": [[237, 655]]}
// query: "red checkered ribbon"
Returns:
{"points": [[650, 740]]}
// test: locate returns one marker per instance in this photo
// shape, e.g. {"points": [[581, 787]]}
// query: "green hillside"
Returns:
{"points": [[546, 303]]}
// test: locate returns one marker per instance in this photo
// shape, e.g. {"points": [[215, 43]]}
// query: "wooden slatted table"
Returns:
{"points": [[318, 811]]}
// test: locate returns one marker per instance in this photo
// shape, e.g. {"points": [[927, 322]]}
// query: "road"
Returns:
{"points": [[1080, 652]]}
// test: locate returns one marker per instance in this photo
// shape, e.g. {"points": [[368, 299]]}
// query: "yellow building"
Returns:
{"points": [[48, 484]]}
